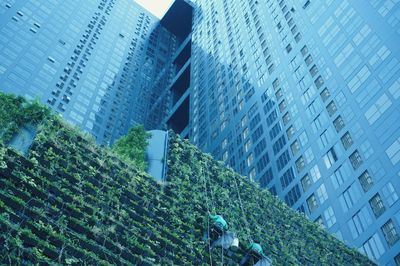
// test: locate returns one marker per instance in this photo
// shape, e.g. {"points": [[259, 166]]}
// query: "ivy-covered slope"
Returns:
{"points": [[71, 202]]}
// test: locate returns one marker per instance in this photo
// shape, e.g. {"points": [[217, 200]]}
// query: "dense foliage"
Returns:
{"points": [[200, 183], [16, 112], [132, 147], [72, 202]]}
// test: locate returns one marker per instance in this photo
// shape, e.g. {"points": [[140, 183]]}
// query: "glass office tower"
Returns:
{"points": [[303, 97]]}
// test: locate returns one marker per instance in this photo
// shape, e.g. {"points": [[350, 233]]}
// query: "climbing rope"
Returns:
{"points": [[243, 213], [208, 181], [208, 211]]}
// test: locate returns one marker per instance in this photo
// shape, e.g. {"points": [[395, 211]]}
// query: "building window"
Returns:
{"points": [[303, 138], [376, 204], [300, 164], [273, 190], [313, 108], [252, 174], [306, 182], [331, 108], [307, 95], [312, 203], [254, 122], [288, 48], [319, 82], [271, 68], [330, 158], [297, 38], [338, 123], [257, 133], [243, 121], [225, 156], [315, 173], [360, 222], [314, 71], [250, 159], [282, 106], [301, 209], [319, 221], [279, 144], [275, 84], [304, 50], [373, 247], [393, 152], [330, 217], [322, 194], [268, 106], [283, 160], [349, 197], [378, 108], [278, 94], [355, 159], [306, 4], [260, 147], [224, 143], [286, 118], [309, 60], [309, 155], [287, 178], [245, 133], [271, 118], [293, 196], [275, 131], [262, 163], [390, 232], [247, 146], [347, 141], [295, 147], [290, 132], [397, 259], [266, 178], [325, 94], [252, 110], [366, 181], [390, 194], [316, 124], [325, 138], [340, 175]]}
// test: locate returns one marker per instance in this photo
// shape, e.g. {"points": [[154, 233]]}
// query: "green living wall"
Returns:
{"points": [[71, 202]]}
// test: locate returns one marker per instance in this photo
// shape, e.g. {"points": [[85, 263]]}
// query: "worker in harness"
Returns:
{"points": [[254, 254], [218, 226]]}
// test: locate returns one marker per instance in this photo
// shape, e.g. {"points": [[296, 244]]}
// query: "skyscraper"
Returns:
{"points": [[301, 96], [89, 61]]}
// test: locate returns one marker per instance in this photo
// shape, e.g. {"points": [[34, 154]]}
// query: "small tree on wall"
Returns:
{"points": [[132, 147]]}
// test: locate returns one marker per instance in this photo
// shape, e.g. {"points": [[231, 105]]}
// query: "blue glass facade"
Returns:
{"points": [[303, 97]]}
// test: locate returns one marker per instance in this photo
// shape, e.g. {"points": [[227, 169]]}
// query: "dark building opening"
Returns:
{"points": [[181, 27], [180, 119], [183, 56], [181, 85]]}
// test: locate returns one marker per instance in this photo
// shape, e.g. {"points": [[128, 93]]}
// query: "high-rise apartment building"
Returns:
{"points": [[301, 96], [88, 60]]}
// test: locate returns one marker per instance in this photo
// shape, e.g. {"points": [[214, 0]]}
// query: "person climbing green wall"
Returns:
{"points": [[218, 225]]}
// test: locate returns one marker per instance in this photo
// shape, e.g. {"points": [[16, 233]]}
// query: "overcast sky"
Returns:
{"points": [[156, 7]]}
